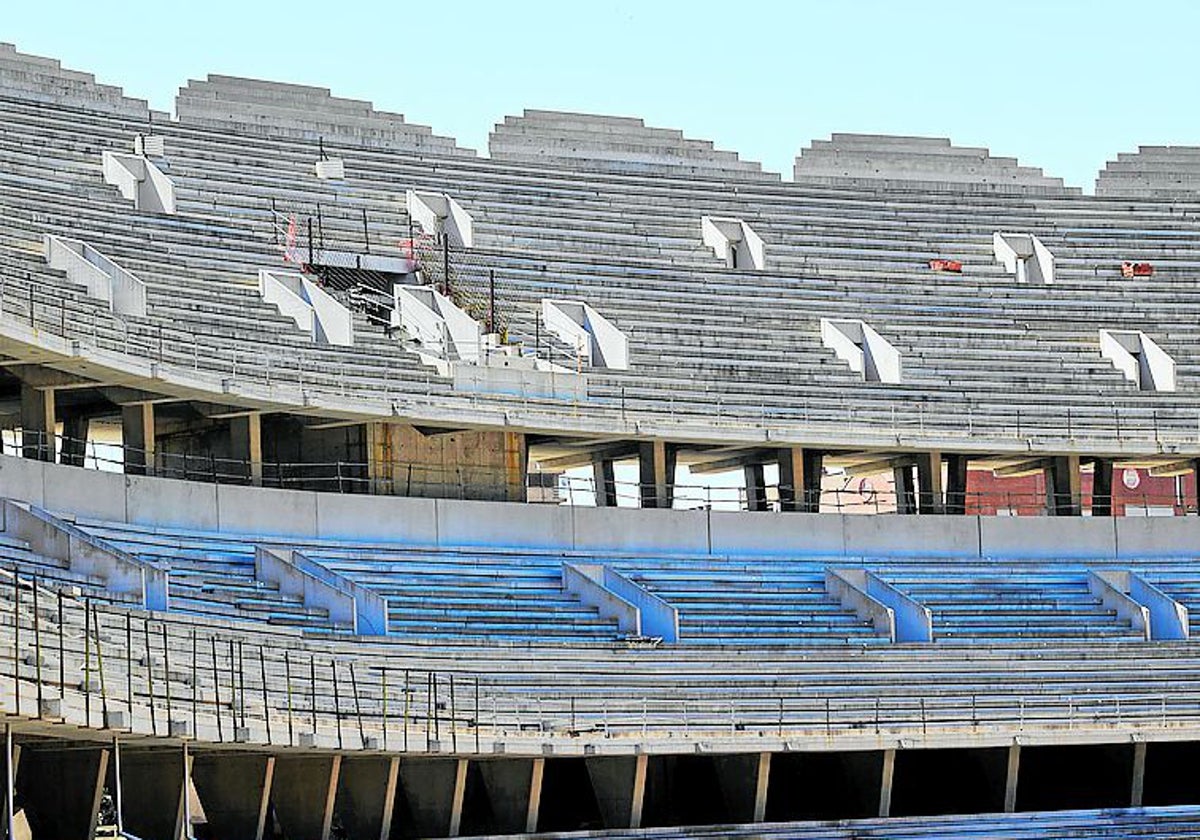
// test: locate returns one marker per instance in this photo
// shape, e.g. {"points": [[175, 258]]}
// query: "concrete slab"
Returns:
{"points": [[349, 517], [302, 794], [1036, 536], [932, 536], [1157, 536], [507, 524], [366, 796], [161, 501], [85, 492], [153, 795], [22, 479]]}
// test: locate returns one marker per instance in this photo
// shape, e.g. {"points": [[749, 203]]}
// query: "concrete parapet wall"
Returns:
{"points": [[450, 522]]}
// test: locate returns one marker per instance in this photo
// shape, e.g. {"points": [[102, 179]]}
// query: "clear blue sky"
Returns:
{"points": [[1061, 85]]}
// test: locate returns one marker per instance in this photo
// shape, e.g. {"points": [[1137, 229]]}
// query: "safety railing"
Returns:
{"points": [[402, 478]]}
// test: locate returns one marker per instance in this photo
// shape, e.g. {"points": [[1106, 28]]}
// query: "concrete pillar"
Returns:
{"points": [[1102, 487], [74, 443], [800, 479], [1063, 486], [38, 423], [605, 482], [303, 792], [514, 791], [61, 790], [906, 499], [137, 436], [743, 783], [619, 783], [885, 783], [434, 790], [235, 792], [1139, 775], [956, 484], [929, 482], [756, 487], [154, 793], [367, 795], [656, 469], [1011, 776], [245, 444]]}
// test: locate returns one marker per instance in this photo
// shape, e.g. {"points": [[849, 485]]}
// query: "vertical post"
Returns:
{"points": [[262, 672], [216, 689], [492, 301], [117, 792], [1010, 778], [885, 786], [366, 233], [9, 786], [37, 649], [1139, 774]]}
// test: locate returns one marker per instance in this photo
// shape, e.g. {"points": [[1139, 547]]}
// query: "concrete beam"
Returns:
{"points": [[38, 423], [61, 789], [303, 793], [619, 784], [885, 783], [138, 438], [154, 793], [235, 792], [366, 796], [433, 791], [729, 462], [589, 455], [1011, 777], [510, 784]]}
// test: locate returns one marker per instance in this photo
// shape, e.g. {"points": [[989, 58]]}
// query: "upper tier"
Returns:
{"points": [[1152, 171], [927, 163]]}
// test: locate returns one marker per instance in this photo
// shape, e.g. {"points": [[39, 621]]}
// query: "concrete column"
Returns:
{"points": [[656, 469], [956, 484], [303, 793], [1010, 778], [511, 786], [1063, 486], [61, 790], [137, 435], [929, 482], [235, 791], [434, 790], [245, 444], [1102, 487], [906, 499], [885, 783], [1139, 774], [74, 443], [154, 793], [619, 784], [756, 487], [38, 423], [367, 796], [743, 783], [800, 479], [605, 482]]}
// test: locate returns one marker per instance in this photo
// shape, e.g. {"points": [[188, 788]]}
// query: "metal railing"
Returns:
{"points": [[403, 478]]}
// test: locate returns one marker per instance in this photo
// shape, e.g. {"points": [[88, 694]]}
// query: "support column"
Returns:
{"points": [[656, 469], [245, 444], [756, 487], [514, 788], [743, 783], [1139, 774], [929, 482], [38, 423], [1102, 487], [154, 793], [619, 784], [791, 478], [61, 790], [74, 442], [906, 499], [605, 482], [137, 437], [1010, 778], [303, 792], [956, 484], [235, 791], [367, 795], [885, 783], [434, 790], [1063, 486]]}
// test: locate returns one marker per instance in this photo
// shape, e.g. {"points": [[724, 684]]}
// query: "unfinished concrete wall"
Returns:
{"points": [[489, 466]]}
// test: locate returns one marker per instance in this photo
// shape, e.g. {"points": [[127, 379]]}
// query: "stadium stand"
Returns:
{"points": [[289, 385]]}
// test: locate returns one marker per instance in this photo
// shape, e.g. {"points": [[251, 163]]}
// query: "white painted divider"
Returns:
{"points": [[311, 307], [637, 611], [124, 293], [861, 347], [139, 181], [85, 554], [438, 213], [734, 242], [1148, 609], [1142, 362], [595, 337], [891, 612], [346, 602], [1024, 255], [439, 324]]}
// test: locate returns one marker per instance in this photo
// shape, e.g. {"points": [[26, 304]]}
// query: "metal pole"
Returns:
{"points": [[100, 666], [166, 674], [10, 788], [406, 706], [216, 688], [129, 666], [384, 692], [37, 647], [62, 665], [312, 677], [362, 736], [195, 688], [262, 670], [453, 719], [337, 702], [287, 678], [149, 657], [117, 785]]}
